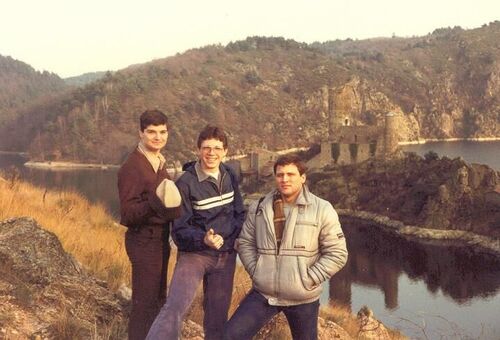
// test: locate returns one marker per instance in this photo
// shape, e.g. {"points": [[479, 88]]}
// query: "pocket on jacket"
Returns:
{"points": [[307, 281], [304, 234], [264, 274]]}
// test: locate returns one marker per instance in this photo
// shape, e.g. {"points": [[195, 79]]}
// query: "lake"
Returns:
{"points": [[434, 292]]}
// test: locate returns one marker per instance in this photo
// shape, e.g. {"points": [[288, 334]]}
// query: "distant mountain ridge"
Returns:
{"points": [[277, 93], [85, 78], [21, 85]]}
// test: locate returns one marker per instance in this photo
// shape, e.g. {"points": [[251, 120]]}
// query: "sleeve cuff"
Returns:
{"points": [[157, 205]]}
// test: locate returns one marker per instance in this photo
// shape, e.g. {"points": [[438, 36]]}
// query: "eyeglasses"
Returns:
{"points": [[208, 149]]}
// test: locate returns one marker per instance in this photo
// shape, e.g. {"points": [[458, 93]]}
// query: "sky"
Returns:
{"points": [[72, 37]]}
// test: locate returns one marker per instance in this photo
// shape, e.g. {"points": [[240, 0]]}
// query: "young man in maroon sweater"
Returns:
{"points": [[149, 202]]}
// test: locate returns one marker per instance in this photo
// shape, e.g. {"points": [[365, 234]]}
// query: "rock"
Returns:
{"points": [[192, 331], [371, 328], [278, 328], [328, 330], [45, 293], [125, 292]]}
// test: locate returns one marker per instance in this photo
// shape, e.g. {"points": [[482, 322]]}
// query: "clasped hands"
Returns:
{"points": [[213, 240]]}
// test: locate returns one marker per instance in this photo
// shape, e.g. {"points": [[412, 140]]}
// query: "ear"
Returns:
{"points": [[303, 178]]}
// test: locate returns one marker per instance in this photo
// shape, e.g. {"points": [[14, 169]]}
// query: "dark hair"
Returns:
{"points": [[212, 132], [291, 159], [152, 117]]}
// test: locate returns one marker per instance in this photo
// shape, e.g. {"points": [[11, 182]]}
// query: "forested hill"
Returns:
{"points": [[21, 85], [277, 93]]}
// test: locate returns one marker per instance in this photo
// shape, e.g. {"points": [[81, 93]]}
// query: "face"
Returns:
{"points": [[211, 154], [154, 137], [289, 181]]}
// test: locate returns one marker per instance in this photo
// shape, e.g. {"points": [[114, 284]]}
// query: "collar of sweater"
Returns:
{"points": [[156, 160]]}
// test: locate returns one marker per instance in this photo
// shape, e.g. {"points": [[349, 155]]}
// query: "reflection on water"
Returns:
{"points": [[378, 259], [95, 185], [470, 151], [427, 291]]}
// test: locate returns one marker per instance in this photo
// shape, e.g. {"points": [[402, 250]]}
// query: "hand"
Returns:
{"points": [[213, 240]]}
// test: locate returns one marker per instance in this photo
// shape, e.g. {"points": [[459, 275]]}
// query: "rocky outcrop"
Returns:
{"points": [[46, 294], [432, 193]]}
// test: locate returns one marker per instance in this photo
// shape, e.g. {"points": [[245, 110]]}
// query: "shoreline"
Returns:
{"points": [[415, 233], [431, 140], [17, 153], [49, 165], [68, 166]]}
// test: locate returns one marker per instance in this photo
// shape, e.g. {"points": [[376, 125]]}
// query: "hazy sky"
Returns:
{"points": [[71, 37]]}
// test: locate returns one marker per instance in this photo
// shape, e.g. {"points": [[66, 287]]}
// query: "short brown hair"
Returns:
{"points": [[291, 159], [152, 117], [212, 132]]}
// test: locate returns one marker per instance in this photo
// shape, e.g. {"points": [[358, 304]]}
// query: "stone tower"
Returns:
{"points": [[390, 134]]}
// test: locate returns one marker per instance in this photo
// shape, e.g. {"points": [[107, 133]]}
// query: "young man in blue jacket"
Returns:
{"points": [[211, 220]]}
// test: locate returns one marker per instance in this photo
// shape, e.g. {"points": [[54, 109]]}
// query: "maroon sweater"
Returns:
{"points": [[137, 183]]}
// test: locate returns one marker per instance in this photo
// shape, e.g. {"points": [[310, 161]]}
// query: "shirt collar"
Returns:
{"points": [[202, 175], [156, 160]]}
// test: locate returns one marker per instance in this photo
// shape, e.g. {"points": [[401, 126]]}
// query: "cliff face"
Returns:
{"points": [[278, 93], [44, 292], [435, 193]]}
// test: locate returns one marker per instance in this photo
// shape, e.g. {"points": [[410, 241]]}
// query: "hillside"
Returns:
{"points": [[21, 85], [277, 93]]}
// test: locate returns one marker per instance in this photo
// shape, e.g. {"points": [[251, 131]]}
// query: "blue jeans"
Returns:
{"points": [[254, 312], [217, 274]]}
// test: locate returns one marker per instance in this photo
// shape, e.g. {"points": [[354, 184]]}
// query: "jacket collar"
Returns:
{"points": [[304, 197], [202, 175], [195, 168]]}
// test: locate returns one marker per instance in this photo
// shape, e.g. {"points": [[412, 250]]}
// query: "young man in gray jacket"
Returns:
{"points": [[291, 242]]}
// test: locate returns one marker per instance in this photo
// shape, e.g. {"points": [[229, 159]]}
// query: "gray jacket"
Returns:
{"points": [[313, 248]]}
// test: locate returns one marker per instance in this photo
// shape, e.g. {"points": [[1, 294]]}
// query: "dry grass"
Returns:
{"points": [[342, 316], [85, 230]]}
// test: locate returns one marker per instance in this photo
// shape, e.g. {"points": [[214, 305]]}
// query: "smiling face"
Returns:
{"points": [[211, 153], [289, 181], [154, 137]]}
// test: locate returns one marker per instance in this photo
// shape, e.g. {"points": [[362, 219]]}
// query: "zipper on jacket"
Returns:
{"points": [[218, 186]]}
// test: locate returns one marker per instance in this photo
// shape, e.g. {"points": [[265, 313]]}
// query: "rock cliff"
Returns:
{"points": [[436, 193], [46, 294]]}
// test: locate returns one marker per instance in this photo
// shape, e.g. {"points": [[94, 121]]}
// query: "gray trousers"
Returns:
{"points": [[217, 274]]}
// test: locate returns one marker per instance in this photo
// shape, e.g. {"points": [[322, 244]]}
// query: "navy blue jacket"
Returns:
{"points": [[205, 205]]}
